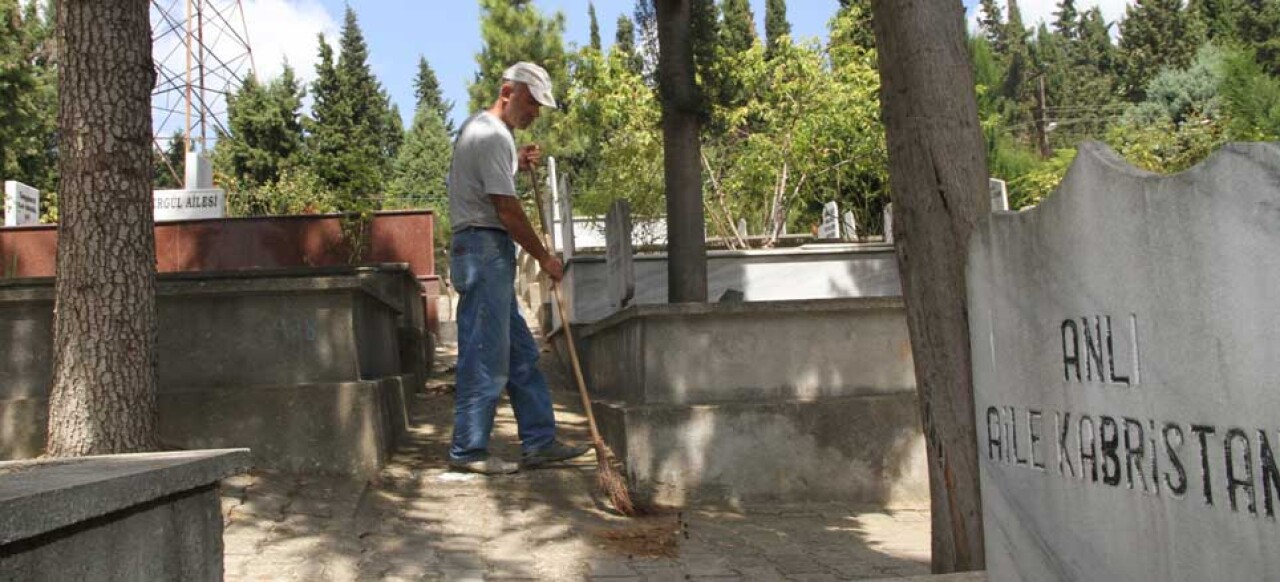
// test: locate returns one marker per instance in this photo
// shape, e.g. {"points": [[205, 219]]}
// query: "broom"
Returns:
{"points": [[608, 478]]}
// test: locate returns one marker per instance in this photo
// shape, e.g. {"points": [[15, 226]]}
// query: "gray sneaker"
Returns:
{"points": [[485, 466], [558, 451]]}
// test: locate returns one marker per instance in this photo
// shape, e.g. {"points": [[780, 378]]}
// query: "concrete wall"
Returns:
{"points": [[303, 366], [820, 271], [122, 517], [731, 404]]}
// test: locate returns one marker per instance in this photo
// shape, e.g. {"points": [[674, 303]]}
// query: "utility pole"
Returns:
{"points": [[1042, 123]]}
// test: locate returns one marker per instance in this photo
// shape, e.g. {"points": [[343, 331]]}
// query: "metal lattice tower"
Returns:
{"points": [[202, 54]]}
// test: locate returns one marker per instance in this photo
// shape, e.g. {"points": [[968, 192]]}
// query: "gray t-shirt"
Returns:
{"points": [[484, 163]]}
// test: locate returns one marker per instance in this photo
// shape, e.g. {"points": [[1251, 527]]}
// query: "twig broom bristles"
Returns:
{"points": [[608, 477]]}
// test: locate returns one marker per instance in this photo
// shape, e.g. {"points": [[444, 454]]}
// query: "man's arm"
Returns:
{"points": [[512, 216]]}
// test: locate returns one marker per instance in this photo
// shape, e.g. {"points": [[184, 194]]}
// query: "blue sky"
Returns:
{"points": [[448, 33]]}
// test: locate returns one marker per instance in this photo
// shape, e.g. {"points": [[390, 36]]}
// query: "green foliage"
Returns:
{"points": [[420, 168], [595, 26], [1178, 94], [169, 167], [265, 130], [1251, 98], [776, 27], [738, 26], [511, 33], [28, 96], [297, 190], [625, 43], [426, 91], [1157, 34]]}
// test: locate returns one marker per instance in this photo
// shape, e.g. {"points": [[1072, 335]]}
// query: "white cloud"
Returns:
{"points": [[282, 30], [1036, 11]]}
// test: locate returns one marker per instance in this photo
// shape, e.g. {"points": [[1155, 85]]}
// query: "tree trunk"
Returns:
{"points": [[686, 229], [938, 173], [104, 370]]}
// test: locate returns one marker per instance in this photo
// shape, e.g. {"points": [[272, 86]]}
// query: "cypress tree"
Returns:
{"points": [[1156, 34], [738, 26], [426, 90], [1067, 19], [775, 25], [625, 41], [265, 130], [992, 24], [512, 33], [422, 164], [595, 26]]}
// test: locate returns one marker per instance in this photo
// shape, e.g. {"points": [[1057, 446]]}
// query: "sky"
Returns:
{"points": [[447, 33]]}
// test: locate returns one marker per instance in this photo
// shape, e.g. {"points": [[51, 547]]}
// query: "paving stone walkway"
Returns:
{"points": [[419, 521]]}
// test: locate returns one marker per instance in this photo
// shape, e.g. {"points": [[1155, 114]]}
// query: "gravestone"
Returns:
{"points": [[830, 228], [21, 204], [1126, 348], [999, 194], [850, 227], [888, 223], [619, 255]]}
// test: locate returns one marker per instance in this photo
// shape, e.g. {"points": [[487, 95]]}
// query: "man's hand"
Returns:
{"points": [[530, 156], [553, 268]]}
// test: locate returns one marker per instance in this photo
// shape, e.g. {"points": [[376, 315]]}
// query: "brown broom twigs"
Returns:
{"points": [[608, 477]]}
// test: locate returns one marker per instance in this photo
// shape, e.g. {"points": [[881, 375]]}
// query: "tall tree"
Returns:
{"points": [[646, 20], [265, 129], [348, 134], [775, 25], [1218, 16], [169, 167], [28, 95], [422, 164], [1153, 35], [938, 175], [595, 26], [681, 105], [991, 22], [1258, 25], [512, 33], [625, 42], [738, 26], [426, 90], [859, 32], [103, 398], [1067, 19]]}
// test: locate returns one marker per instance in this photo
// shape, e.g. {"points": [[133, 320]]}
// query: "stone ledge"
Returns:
{"points": [[41, 496], [751, 308]]}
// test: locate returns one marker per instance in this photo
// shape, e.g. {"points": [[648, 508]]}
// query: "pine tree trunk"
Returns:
{"points": [[937, 173], [104, 371], [682, 152]]}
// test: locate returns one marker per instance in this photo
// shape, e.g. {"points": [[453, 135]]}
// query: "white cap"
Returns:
{"points": [[535, 77]]}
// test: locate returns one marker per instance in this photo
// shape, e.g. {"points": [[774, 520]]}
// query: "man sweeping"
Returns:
{"points": [[496, 351]]}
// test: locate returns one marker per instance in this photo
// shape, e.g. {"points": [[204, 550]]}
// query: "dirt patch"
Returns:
{"points": [[655, 536]]}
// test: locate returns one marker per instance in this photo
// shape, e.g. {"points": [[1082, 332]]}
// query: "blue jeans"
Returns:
{"points": [[495, 349]]}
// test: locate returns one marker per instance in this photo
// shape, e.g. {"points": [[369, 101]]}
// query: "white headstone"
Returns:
{"points": [[742, 227], [189, 204], [199, 171], [830, 228], [888, 223], [999, 194], [619, 254], [21, 204], [1125, 340], [567, 240], [850, 226]]}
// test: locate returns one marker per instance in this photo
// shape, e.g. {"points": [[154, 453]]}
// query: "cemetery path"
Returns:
{"points": [[420, 521]]}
